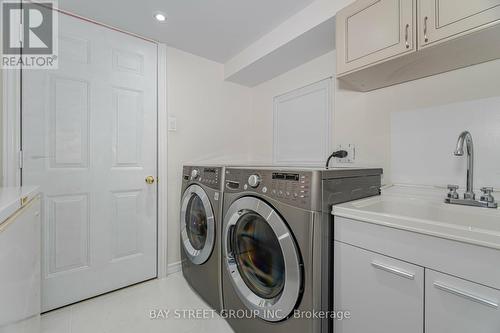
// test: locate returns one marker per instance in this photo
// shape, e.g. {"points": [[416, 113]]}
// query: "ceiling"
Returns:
{"points": [[308, 46], [213, 29]]}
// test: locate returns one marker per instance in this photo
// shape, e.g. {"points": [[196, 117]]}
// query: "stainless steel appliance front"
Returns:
{"points": [[262, 259], [200, 229], [197, 225], [276, 244]]}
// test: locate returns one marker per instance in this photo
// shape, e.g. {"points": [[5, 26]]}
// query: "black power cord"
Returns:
{"points": [[336, 154]]}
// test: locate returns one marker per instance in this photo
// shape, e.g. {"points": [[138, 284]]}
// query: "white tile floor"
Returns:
{"points": [[128, 310]]}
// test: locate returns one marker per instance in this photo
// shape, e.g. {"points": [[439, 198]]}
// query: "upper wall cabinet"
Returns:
{"points": [[441, 20], [377, 39], [371, 31]]}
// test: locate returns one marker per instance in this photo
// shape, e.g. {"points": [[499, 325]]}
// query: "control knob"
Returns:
{"points": [[254, 181], [195, 174]]}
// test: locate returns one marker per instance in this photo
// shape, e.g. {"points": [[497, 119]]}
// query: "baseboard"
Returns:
{"points": [[174, 267]]}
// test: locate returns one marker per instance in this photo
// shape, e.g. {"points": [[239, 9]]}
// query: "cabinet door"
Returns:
{"points": [[20, 247], [440, 20], [382, 294], [370, 31], [457, 306]]}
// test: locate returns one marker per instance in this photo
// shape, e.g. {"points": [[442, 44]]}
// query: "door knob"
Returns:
{"points": [[150, 180]]}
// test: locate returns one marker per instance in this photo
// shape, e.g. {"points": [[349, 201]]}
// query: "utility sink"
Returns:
{"points": [[422, 210]]}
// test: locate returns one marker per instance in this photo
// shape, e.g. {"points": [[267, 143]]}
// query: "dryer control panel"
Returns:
{"points": [[292, 187], [310, 189], [209, 176]]}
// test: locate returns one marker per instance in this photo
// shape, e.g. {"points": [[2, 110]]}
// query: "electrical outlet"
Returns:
{"points": [[351, 153]]}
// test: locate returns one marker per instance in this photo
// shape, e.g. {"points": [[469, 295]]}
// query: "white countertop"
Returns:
{"points": [[422, 209], [10, 199]]}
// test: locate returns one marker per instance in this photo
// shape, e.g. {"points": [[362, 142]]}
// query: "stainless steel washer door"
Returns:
{"points": [[262, 259], [197, 225]]}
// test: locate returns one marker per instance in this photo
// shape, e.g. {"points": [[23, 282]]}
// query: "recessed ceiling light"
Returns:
{"points": [[160, 17]]}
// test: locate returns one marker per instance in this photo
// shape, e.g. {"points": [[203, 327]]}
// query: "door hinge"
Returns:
{"points": [[21, 36], [21, 29], [21, 159]]}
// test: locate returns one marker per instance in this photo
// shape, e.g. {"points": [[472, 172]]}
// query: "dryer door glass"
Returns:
{"points": [[196, 222], [258, 255], [197, 225], [262, 259]]}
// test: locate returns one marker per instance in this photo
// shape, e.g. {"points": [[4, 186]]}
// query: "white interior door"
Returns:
{"points": [[89, 140]]}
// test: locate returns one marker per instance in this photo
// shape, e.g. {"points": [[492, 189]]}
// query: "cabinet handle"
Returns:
{"points": [[394, 270], [464, 294], [426, 38], [407, 32]]}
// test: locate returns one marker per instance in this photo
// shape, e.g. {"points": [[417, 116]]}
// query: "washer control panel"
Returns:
{"points": [[210, 176], [195, 174], [254, 181], [289, 187]]}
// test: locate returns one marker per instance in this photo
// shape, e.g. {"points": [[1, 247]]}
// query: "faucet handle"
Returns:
{"points": [[453, 191], [487, 194], [487, 190]]}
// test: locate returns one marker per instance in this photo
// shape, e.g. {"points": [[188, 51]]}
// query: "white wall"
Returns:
{"points": [[423, 141], [212, 116], [261, 147], [365, 118], [458, 86], [352, 121]]}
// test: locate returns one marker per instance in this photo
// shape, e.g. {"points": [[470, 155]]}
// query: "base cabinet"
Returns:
{"points": [[403, 282], [20, 247], [454, 305], [382, 294]]}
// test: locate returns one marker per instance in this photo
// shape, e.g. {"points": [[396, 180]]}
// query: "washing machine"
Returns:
{"points": [[277, 238], [200, 223]]}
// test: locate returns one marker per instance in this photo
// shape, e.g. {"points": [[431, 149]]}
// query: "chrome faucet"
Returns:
{"points": [[466, 138], [487, 200]]}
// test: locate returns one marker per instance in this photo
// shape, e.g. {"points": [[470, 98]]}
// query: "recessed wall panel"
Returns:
{"points": [[68, 232], [126, 224], [69, 123], [128, 124], [449, 12], [73, 49], [125, 61], [372, 29]]}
